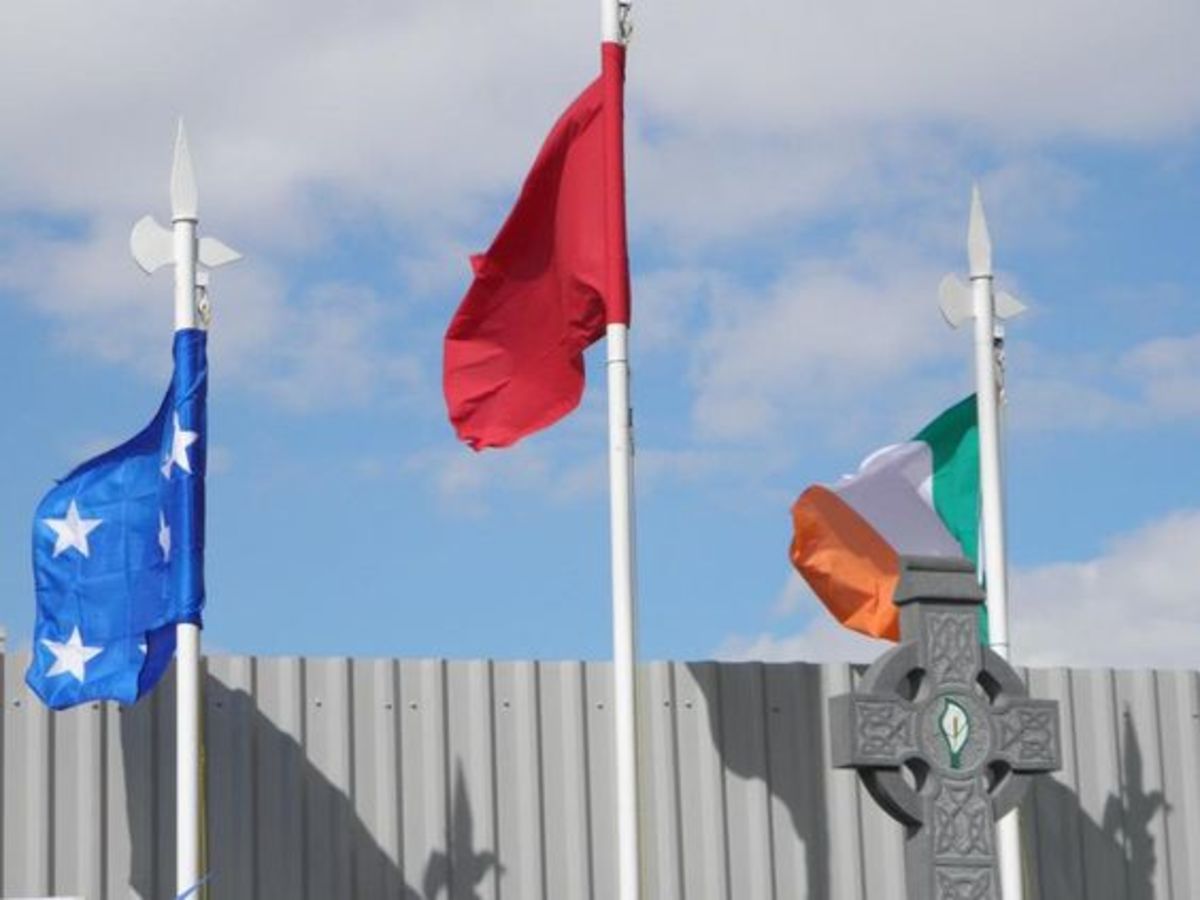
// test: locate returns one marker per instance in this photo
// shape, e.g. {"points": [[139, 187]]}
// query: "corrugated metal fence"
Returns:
{"points": [[422, 780]]}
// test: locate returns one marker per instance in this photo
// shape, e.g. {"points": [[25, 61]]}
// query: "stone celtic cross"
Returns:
{"points": [[943, 734]]}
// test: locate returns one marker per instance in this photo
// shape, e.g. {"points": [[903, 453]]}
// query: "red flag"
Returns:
{"points": [[555, 275]]}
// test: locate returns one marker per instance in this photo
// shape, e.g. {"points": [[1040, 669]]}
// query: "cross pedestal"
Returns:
{"points": [[943, 734]]}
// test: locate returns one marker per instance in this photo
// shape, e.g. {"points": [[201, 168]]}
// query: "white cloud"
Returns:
{"points": [[704, 188], [1151, 383], [792, 598], [669, 305], [466, 483], [1168, 370], [657, 467], [1135, 605], [842, 337], [330, 352], [323, 346], [1028, 200], [1078, 66], [91, 290], [822, 639], [302, 117], [291, 109], [814, 341], [747, 126]]}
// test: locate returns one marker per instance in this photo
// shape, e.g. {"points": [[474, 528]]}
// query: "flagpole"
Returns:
{"points": [[983, 305], [987, 393], [187, 635], [620, 456], [154, 246]]}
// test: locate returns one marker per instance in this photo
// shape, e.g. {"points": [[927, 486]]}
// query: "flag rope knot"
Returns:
{"points": [[1000, 360], [203, 303], [625, 20]]}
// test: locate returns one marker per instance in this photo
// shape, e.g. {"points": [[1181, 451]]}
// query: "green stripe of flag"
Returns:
{"points": [[954, 439]]}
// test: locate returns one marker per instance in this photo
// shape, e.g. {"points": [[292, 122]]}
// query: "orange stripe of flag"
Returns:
{"points": [[846, 562]]}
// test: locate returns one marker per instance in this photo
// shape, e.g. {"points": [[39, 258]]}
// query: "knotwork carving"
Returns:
{"points": [[884, 729], [953, 646], [1029, 734], [961, 822], [965, 884]]}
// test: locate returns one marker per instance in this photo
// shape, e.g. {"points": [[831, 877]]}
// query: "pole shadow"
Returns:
{"points": [[1128, 814], [767, 722], [1079, 858], [276, 825], [459, 872]]}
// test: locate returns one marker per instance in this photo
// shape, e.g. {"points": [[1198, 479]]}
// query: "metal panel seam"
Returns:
{"points": [[678, 785], [495, 785], [585, 716], [765, 712], [397, 719], [541, 776], [719, 737]]}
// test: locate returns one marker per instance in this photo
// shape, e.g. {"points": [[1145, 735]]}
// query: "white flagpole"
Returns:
{"points": [[187, 636], [154, 246], [620, 458], [987, 392], [985, 306]]}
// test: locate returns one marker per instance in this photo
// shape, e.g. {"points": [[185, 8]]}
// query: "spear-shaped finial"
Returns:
{"points": [[957, 299], [979, 242], [153, 245], [184, 196]]}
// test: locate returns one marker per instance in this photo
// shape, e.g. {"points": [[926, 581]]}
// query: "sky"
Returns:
{"points": [[799, 179]]}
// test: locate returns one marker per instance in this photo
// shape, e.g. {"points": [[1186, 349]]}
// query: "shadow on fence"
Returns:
{"points": [[1079, 858], [277, 826]]}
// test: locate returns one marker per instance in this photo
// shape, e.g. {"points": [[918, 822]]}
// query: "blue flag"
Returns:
{"points": [[118, 552]]}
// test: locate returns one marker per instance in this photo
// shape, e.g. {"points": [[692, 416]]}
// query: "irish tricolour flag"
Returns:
{"points": [[919, 498]]}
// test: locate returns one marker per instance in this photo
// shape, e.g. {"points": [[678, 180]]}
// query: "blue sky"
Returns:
{"points": [[799, 178]]}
